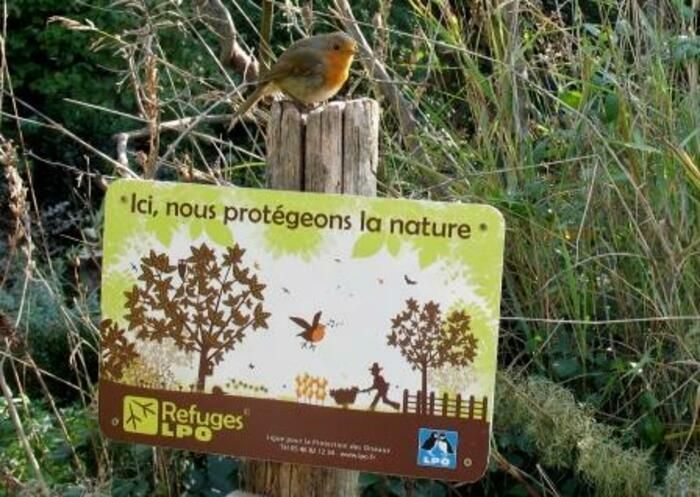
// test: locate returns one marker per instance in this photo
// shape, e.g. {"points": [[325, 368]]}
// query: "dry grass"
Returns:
{"points": [[583, 128]]}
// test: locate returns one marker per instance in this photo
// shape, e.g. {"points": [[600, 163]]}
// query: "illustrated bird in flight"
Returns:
{"points": [[313, 332]]}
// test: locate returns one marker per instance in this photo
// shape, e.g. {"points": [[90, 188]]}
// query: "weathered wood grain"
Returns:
{"points": [[285, 147], [361, 147], [323, 166], [333, 149]]}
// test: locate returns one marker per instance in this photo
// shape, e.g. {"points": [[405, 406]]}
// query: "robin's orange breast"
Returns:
{"points": [[317, 333], [337, 69]]}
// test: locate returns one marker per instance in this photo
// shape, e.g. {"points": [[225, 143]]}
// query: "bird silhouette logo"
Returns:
{"points": [[312, 332], [429, 443], [437, 448], [443, 445]]}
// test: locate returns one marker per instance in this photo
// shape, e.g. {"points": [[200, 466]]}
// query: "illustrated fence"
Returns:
{"points": [[455, 407]]}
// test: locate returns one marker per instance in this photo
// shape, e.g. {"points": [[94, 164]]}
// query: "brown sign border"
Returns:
{"points": [[388, 442]]}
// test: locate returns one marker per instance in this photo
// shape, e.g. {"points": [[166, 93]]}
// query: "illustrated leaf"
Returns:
{"points": [[239, 319], [233, 256], [426, 257], [164, 228], [260, 317], [219, 234], [367, 245], [393, 245], [117, 352], [256, 288]]}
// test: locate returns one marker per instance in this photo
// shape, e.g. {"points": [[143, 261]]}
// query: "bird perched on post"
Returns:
{"points": [[309, 71]]}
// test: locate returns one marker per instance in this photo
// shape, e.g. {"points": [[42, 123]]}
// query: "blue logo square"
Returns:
{"points": [[437, 448]]}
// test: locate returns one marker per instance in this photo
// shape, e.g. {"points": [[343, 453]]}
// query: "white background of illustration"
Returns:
{"points": [[361, 295]]}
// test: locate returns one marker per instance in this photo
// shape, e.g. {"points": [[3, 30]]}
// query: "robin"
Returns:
{"points": [[313, 332], [309, 71]]}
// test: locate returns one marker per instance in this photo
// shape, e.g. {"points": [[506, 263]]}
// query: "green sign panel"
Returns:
{"points": [[317, 329]]}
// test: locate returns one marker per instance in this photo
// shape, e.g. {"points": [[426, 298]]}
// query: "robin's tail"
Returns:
{"points": [[261, 91]]}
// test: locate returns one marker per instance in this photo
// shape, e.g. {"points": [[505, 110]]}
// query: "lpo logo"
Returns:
{"points": [[140, 415], [437, 448]]}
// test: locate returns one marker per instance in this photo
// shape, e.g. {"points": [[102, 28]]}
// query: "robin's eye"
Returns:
{"points": [[336, 47]]}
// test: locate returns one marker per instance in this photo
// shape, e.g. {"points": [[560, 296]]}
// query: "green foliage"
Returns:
{"points": [[374, 485], [50, 64], [566, 435], [50, 329], [52, 448], [194, 475], [214, 476], [579, 122]]}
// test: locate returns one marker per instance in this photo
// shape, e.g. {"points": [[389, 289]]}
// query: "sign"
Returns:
{"points": [[318, 329]]}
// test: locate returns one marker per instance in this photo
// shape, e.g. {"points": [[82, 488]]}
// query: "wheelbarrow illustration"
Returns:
{"points": [[345, 396]]}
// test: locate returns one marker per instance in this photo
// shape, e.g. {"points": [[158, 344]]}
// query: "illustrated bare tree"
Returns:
{"points": [[428, 340], [203, 303], [117, 352]]}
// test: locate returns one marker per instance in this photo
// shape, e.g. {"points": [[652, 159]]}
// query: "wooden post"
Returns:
{"points": [[333, 149]]}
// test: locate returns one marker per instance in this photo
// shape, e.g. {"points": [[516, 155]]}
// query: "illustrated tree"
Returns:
{"points": [[428, 340], [205, 304], [117, 352]]}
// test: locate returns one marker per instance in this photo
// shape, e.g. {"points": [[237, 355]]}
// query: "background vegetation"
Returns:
{"points": [[580, 121]]}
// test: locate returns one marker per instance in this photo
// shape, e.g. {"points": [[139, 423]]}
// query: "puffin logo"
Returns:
{"points": [[149, 416], [437, 448]]}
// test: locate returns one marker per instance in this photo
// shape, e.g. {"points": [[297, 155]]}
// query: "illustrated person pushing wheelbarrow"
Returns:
{"points": [[382, 388]]}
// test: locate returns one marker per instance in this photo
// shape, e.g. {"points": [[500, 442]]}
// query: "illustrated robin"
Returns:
{"points": [[313, 333], [309, 71]]}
